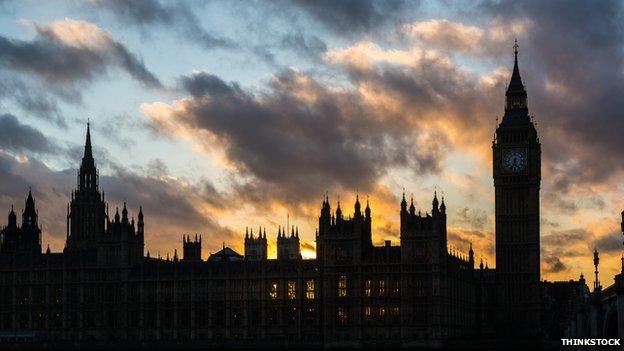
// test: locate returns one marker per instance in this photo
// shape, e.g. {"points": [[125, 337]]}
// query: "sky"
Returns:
{"points": [[222, 115]]}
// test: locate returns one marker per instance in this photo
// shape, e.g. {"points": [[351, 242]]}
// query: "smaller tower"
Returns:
{"points": [[256, 248], [191, 249], [288, 246], [141, 223]]}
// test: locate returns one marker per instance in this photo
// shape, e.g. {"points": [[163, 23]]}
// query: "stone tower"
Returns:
{"points": [[517, 176], [86, 213]]}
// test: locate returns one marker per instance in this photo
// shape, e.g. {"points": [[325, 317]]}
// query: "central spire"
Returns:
{"points": [[88, 154], [87, 176]]}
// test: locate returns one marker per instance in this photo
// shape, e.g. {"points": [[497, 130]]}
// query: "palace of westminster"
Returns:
{"points": [[102, 289]]}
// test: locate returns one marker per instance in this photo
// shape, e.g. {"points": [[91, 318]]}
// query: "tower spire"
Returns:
{"points": [[516, 95], [87, 175], [88, 153]]}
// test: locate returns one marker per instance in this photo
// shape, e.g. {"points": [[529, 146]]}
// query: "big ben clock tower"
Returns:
{"points": [[517, 174]]}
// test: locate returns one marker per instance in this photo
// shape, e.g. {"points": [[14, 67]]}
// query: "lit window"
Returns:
{"points": [[367, 288], [310, 289], [395, 311], [396, 289], [342, 286], [368, 312], [342, 315], [382, 287], [273, 290], [292, 290], [382, 312]]}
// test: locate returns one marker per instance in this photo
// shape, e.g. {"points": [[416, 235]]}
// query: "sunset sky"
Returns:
{"points": [[217, 116]]}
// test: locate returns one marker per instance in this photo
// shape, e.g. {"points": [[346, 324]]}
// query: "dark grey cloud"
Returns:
{"points": [[200, 84], [294, 148], [475, 218], [67, 67], [174, 15], [18, 137], [30, 97], [610, 243], [554, 265], [349, 17], [562, 238], [305, 45], [572, 62]]}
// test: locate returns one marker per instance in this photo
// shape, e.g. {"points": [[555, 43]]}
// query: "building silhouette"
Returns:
{"points": [[102, 288]]}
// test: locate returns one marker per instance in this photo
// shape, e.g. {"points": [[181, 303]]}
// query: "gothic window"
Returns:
{"points": [[167, 318], [395, 314], [292, 315], [292, 290], [342, 286], [368, 312], [367, 288], [343, 318], [167, 291], [382, 313], [310, 289], [310, 315], [273, 291], [183, 318], [200, 317], [382, 287], [396, 289], [57, 319], [418, 287], [236, 317], [57, 294], [273, 315]]}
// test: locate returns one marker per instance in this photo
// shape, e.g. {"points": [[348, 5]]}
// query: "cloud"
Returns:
{"points": [[493, 40], [610, 243], [70, 53], [177, 16], [553, 264], [18, 137], [354, 16], [304, 45], [563, 238], [30, 97], [297, 139]]}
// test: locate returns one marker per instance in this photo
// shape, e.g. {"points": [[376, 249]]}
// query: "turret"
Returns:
{"points": [[367, 211], [596, 263], [288, 246], [434, 204], [140, 224], [403, 204], [338, 212], [29, 216], [191, 249], [12, 219], [471, 260], [124, 214], [357, 211], [443, 207], [256, 248]]}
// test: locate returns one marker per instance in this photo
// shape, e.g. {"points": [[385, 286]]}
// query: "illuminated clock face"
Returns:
{"points": [[514, 160]]}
